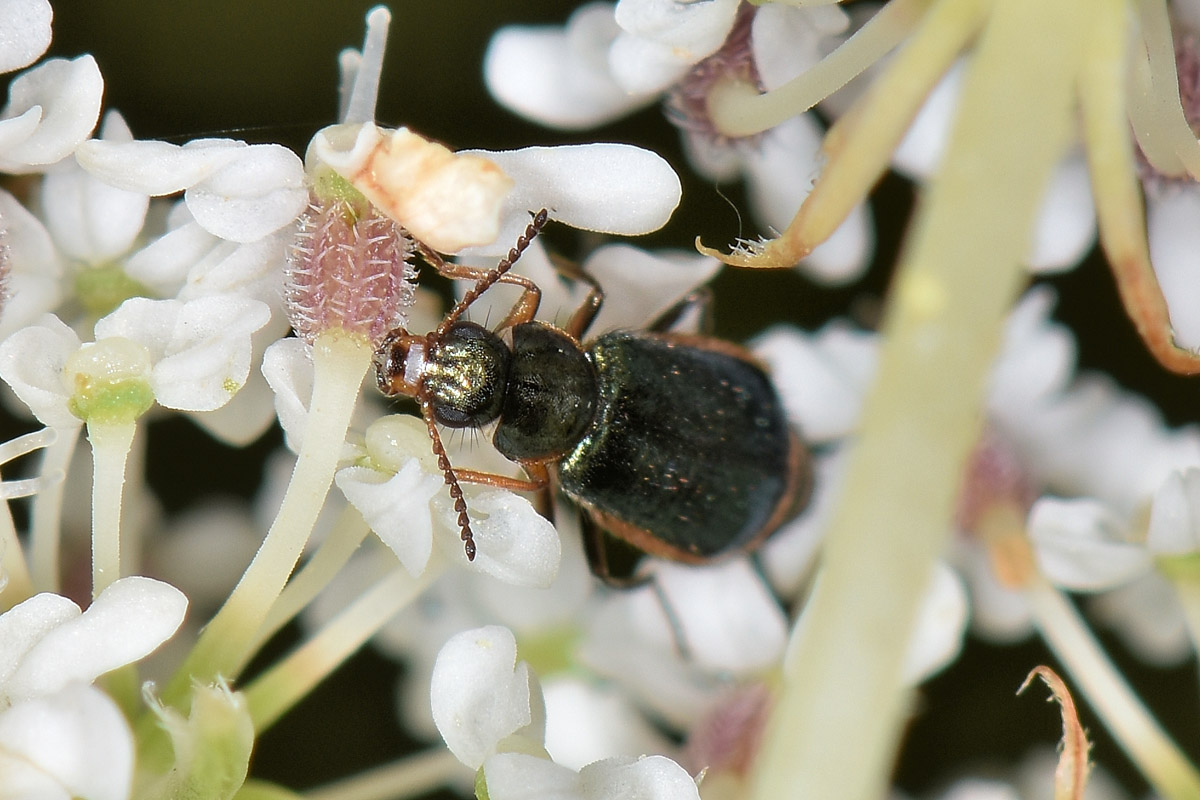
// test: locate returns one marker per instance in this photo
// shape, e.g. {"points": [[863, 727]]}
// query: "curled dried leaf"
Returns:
{"points": [[1070, 777]]}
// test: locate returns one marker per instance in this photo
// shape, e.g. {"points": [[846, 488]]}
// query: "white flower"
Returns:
{"points": [[674, 650], [60, 736], [489, 709], [51, 109], [24, 32], [515, 776], [610, 60], [481, 695], [401, 496], [235, 191], [190, 356]]}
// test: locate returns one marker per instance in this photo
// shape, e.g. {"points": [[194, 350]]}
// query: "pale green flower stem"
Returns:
{"points": [[46, 517], [739, 109], [414, 776], [340, 360], [317, 572], [1166, 768], [111, 441], [835, 728], [289, 680]]}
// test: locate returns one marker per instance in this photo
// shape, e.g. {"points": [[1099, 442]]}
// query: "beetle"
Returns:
{"points": [[675, 443]]}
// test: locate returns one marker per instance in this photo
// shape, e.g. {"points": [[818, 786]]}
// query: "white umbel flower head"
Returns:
{"points": [[59, 735]]}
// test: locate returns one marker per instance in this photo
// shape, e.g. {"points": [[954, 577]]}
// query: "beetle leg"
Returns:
{"points": [[539, 478], [698, 300], [582, 317]]}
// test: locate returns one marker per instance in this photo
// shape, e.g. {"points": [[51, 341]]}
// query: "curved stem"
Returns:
{"points": [[739, 110], [280, 687], [861, 143], [1140, 736], [836, 725], [340, 361], [413, 776], [331, 556], [46, 518], [110, 449]]}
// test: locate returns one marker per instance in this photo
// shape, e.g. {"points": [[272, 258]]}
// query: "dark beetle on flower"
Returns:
{"points": [[676, 443]]}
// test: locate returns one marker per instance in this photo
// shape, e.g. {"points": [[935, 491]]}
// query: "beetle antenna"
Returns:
{"points": [[456, 493], [494, 274]]}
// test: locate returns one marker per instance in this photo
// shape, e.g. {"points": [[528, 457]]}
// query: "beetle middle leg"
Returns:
{"points": [[698, 300]]}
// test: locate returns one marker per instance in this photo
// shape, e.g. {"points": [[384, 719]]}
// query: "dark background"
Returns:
{"points": [[265, 70]]}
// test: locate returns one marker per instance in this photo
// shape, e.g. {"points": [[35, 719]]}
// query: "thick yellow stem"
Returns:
{"points": [[835, 729]]}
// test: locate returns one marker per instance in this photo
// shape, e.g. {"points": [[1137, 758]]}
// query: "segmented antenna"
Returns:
{"points": [[483, 284], [494, 274]]}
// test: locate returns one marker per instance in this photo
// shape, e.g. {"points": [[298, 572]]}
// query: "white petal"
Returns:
{"points": [[920, 151], [480, 694], [697, 28], [164, 263], [128, 621], [715, 160], [251, 412], [822, 378], [32, 361], [789, 40], [157, 168], [396, 508], [517, 776], [201, 348], [36, 267], [253, 269], [90, 220], [650, 777], [998, 614], [941, 624], [1036, 362], [1066, 222], [781, 167], [78, 736], [644, 284], [254, 195], [514, 543], [25, 781], [559, 77], [587, 721], [69, 94], [1175, 253], [790, 554], [1081, 545], [24, 32], [644, 67], [15, 130], [727, 617], [630, 641], [1174, 528], [845, 255], [610, 188], [1147, 616], [287, 366], [24, 625]]}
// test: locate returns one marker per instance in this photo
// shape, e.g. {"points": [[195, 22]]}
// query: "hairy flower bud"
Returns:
{"points": [[348, 267]]}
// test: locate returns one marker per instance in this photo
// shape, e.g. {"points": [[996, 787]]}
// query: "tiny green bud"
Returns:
{"points": [[109, 381]]}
